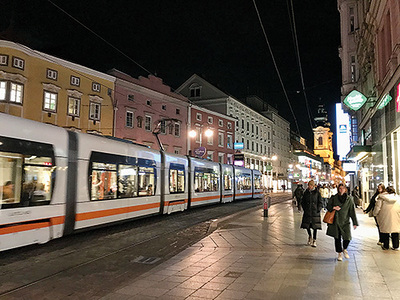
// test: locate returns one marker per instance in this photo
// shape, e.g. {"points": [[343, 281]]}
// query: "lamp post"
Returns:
{"points": [[269, 168], [208, 133]]}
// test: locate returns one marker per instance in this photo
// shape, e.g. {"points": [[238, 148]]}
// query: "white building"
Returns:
{"points": [[264, 134]]}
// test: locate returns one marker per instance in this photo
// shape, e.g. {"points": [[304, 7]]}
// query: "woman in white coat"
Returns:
{"points": [[387, 212]]}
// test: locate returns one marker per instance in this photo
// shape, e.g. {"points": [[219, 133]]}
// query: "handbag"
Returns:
{"points": [[329, 217]]}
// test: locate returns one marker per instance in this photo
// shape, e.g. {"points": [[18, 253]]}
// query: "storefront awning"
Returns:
{"points": [[358, 152]]}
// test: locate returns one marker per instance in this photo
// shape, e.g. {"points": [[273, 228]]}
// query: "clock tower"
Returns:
{"points": [[323, 136]]}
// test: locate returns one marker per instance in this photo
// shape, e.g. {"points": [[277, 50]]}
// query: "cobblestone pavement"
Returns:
{"points": [[78, 266], [251, 257]]}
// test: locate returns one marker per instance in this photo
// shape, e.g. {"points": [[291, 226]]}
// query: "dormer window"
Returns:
{"points": [[195, 91]]}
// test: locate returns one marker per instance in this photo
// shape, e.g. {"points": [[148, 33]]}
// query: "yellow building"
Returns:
{"points": [[44, 88], [323, 144]]}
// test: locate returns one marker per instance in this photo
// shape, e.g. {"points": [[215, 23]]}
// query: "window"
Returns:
{"points": [[16, 92], [229, 125], [220, 139], [221, 158], [131, 97], [129, 119], [51, 74], [147, 123], [210, 140], [229, 141], [177, 129], [94, 111], [73, 106], [18, 63], [257, 181], [210, 155], [27, 173], [127, 181], [205, 180], [248, 145], [176, 178], [178, 111], [243, 181], [256, 147], [198, 117], [256, 130], [242, 124], [3, 90], [146, 181], [163, 127], [96, 87], [139, 122], [252, 128], [171, 129], [252, 146], [104, 181], [195, 92], [248, 126], [163, 107], [148, 102], [198, 134], [220, 123], [320, 141], [3, 60], [228, 178], [209, 120], [75, 81], [351, 19], [353, 69], [50, 101]]}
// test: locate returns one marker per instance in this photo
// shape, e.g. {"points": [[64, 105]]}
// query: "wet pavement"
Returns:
{"points": [[251, 257]]}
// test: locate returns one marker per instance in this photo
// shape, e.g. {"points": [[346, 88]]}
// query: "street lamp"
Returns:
{"points": [[208, 133]]}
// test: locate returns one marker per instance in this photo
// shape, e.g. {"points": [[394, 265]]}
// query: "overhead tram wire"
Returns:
{"points": [[276, 67], [296, 43]]}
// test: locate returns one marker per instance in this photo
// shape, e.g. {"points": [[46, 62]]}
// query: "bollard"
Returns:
{"points": [[267, 203]]}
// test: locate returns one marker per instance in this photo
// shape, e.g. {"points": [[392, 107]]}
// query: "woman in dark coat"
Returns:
{"points": [[312, 205], [343, 204], [371, 206]]}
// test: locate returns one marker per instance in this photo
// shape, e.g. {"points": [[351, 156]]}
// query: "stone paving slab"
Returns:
{"points": [[251, 257]]}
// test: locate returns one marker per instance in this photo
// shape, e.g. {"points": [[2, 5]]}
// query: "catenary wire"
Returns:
{"points": [[296, 43], [276, 66]]}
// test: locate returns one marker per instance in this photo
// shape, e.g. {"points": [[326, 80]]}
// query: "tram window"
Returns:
{"points": [[37, 180], [10, 175], [127, 181], [104, 181], [205, 180], [257, 182], [244, 182], [146, 181], [227, 182], [176, 181]]}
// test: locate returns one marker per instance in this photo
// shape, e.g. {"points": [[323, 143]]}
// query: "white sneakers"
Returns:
{"points": [[314, 243], [340, 255], [310, 240]]}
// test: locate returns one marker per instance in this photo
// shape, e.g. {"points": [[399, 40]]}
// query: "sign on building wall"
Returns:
{"points": [[343, 132], [355, 100]]}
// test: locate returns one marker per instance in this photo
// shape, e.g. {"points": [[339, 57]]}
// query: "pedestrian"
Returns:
{"points": [[298, 194], [387, 212], [343, 205], [371, 206], [324, 191], [356, 197], [312, 205]]}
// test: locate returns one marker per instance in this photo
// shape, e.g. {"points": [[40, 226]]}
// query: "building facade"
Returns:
{"points": [[44, 88], [212, 133], [254, 128], [147, 105], [370, 54]]}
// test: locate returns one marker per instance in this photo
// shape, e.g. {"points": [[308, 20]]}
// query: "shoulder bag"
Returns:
{"points": [[329, 217]]}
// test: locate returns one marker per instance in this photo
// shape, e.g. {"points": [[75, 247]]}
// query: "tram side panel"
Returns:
{"points": [[176, 186], [33, 167], [257, 187], [205, 182], [116, 181], [243, 183]]}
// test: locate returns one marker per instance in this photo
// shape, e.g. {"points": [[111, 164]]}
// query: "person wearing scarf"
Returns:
{"points": [[340, 230]]}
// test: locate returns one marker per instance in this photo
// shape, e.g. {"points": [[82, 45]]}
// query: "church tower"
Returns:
{"points": [[323, 136]]}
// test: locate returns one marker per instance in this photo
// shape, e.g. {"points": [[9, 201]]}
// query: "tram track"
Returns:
{"points": [[88, 250]]}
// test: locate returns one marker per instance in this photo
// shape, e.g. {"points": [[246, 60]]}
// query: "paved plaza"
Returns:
{"points": [[251, 257]]}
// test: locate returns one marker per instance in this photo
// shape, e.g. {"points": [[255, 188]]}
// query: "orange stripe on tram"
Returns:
{"points": [[205, 198], [18, 227]]}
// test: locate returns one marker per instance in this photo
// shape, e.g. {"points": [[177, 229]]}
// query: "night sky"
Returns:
{"points": [[220, 40]]}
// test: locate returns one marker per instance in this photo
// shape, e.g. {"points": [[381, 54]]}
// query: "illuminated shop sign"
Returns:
{"points": [[385, 101], [398, 98], [343, 132], [355, 100], [238, 146]]}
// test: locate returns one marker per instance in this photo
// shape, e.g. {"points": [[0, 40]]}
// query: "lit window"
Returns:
{"points": [[129, 119], [51, 74], [73, 106], [75, 80], [96, 87], [147, 123], [94, 111], [3, 90], [229, 141], [3, 60], [18, 63], [50, 101]]}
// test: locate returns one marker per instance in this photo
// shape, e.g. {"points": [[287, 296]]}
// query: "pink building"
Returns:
{"points": [[146, 104], [213, 131]]}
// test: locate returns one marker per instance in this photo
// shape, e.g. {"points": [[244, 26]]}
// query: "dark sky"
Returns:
{"points": [[220, 40]]}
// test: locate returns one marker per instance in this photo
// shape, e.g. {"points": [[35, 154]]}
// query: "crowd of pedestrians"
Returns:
{"points": [[384, 206]]}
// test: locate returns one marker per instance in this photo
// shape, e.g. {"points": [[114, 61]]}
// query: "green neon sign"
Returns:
{"points": [[355, 100], [384, 101]]}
